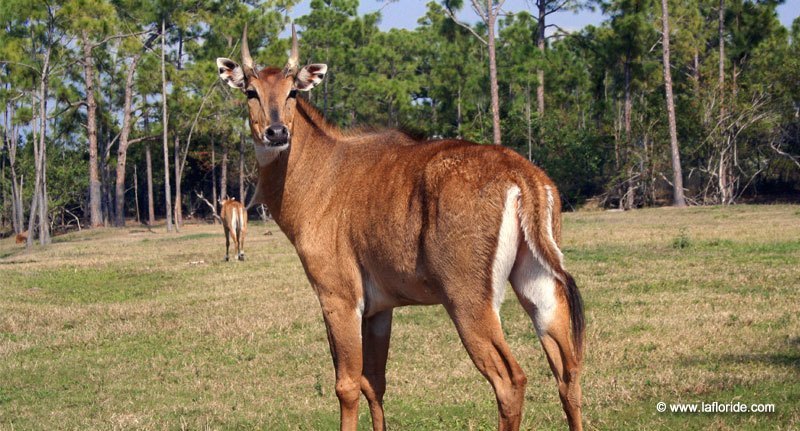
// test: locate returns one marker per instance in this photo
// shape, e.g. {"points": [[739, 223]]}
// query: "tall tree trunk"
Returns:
{"points": [[724, 173], [95, 212], [242, 197], [136, 193], [678, 199], [178, 202], [435, 118], [164, 123], [628, 106], [492, 18], [724, 157], [33, 212], [629, 194], [44, 201], [15, 213], [459, 118], [3, 220], [20, 210], [324, 98], [44, 222], [721, 20], [528, 121], [122, 149], [151, 210], [223, 175], [105, 183], [214, 176], [540, 44], [39, 200], [11, 143]]}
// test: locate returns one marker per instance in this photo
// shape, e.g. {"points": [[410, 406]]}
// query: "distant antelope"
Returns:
{"points": [[381, 220], [21, 237], [234, 221]]}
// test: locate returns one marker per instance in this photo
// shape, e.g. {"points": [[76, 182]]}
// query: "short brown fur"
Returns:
{"points": [[381, 220]]}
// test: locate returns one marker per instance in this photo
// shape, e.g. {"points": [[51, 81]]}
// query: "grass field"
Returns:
{"points": [[131, 329]]}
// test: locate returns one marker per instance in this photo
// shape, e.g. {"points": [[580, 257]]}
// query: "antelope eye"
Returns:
{"points": [[251, 93]]}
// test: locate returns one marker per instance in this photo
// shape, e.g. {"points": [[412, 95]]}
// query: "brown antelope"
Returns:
{"points": [[234, 221], [21, 237], [381, 220]]}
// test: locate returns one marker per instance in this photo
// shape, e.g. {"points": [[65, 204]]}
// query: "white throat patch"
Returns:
{"points": [[266, 154]]}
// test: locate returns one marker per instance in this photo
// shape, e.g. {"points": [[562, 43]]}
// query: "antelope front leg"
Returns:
{"points": [[376, 332], [343, 322]]}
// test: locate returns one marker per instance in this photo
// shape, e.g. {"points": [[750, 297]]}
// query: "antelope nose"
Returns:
{"points": [[277, 134]]}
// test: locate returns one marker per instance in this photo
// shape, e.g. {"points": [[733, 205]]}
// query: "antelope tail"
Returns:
{"points": [[540, 217], [238, 219]]}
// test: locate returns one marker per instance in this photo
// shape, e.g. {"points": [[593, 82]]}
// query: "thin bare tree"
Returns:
{"points": [[11, 143], [151, 212], [242, 190], [678, 199], [167, 191], [124, 137], [488, 13], [545, 8]]}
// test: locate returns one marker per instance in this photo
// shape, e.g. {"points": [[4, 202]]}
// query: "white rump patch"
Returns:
{"points": [[232, 224], [535, 286], [507, 244]]}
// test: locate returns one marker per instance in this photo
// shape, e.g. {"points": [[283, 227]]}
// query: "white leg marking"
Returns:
{"points": [[535, 286], [360, 314], [360, 307], [507, 244]]}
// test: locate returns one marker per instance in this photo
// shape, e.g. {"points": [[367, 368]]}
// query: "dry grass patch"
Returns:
{"points": [[131, 329]]}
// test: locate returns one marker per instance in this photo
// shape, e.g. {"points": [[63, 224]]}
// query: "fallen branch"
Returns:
{"points": [[77, 220], [210, 205], [791, 157]]}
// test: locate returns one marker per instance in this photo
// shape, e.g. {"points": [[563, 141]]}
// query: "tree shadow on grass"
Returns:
{"points": [[781, 359]]}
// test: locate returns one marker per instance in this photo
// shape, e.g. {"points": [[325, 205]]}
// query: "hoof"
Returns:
{"points": [[241, 257], [226, 258]]}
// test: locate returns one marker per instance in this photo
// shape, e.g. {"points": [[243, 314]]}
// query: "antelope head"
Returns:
{"points": [[271, 95]]}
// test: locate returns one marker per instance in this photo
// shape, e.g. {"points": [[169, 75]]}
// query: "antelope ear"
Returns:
{"points": [[309, 76], [230, 73]]}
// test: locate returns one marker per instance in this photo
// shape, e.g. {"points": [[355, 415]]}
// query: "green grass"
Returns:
{"points": [[88, 285], [132, 329]]}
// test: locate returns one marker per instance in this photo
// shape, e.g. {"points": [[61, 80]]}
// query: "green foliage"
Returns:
{"points": [[431, 81]]}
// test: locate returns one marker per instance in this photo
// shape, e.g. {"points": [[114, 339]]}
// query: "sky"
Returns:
{"points": [[404, 13]]}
